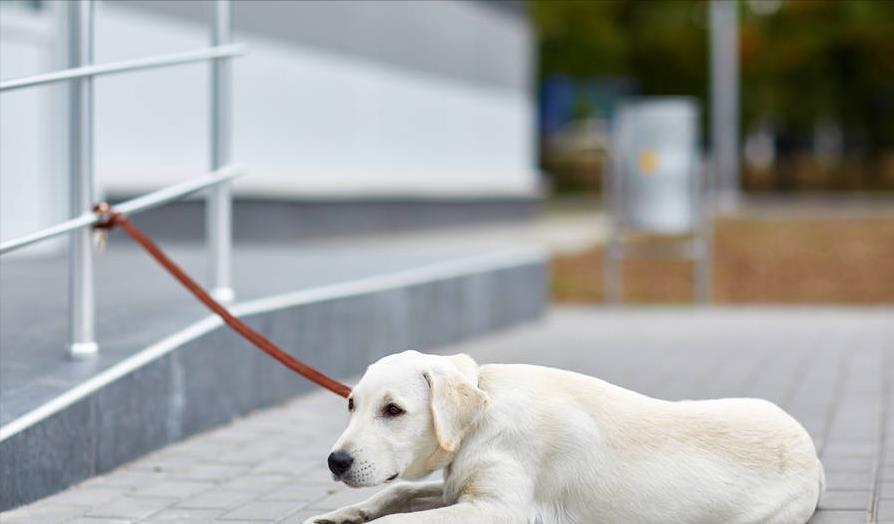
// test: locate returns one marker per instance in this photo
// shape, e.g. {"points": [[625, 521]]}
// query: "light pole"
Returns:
{"points": [[725, 101]]}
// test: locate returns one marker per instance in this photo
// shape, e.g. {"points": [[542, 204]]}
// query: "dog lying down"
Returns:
{"points": [[526, 444]]}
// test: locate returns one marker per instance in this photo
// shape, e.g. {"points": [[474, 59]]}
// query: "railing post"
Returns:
{"points": [[218, 221], [82, 344]]}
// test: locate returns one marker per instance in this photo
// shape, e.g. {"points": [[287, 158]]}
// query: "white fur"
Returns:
{"points": [[524, 444]]}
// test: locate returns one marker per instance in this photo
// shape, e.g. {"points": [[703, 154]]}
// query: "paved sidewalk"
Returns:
{"points": [[829, 367]]}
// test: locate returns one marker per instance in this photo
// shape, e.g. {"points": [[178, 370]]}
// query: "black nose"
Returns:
{"points": [[339, 462]]}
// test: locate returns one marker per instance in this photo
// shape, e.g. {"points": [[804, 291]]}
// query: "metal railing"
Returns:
{"points": [[81, 72]]}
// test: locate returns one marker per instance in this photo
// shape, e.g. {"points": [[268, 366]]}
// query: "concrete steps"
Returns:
{"points": [[169, 370]]}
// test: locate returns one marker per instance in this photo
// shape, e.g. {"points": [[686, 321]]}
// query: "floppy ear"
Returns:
{"points": [[456, 402]]}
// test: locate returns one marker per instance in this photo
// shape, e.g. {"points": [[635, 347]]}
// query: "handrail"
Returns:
{"points": [[129, 207], [81, 73], [186, 57]]}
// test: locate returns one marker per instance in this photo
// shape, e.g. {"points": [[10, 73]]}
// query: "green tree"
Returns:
{"points": [[817, 59], [661, 44], [806, 61]]}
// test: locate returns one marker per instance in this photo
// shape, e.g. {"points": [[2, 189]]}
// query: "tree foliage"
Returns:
{"points": [[809, 60]]}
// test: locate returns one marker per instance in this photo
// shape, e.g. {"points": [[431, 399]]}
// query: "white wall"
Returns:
{"points": [[32, 157], [307, 122]]}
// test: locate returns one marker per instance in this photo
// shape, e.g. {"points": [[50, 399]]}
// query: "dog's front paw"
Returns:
{"points": [[341, 516]]}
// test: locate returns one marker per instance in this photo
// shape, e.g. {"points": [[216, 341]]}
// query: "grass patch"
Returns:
{"points": [[785, 261]]}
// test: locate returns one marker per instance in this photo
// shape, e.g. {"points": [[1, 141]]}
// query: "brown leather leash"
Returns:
{"points": [[112, 219]]}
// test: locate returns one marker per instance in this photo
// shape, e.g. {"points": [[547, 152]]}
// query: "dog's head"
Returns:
{"points": [[408, 416]]}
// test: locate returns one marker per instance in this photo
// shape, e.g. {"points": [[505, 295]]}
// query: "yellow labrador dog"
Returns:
{"points": [[526, 444]]}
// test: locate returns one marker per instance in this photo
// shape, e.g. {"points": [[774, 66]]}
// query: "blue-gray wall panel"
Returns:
{"points": [[49, 456]]}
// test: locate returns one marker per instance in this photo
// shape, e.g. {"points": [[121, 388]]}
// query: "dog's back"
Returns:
{"points": [[603, 453]]}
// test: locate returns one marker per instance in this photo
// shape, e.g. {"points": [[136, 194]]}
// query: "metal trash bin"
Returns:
{"points": [[655, 186]]}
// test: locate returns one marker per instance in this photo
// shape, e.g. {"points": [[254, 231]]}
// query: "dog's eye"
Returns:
{"points": [[392, 410], [350, 404]]}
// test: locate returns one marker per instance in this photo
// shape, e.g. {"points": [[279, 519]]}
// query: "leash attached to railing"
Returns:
{"points": [[113, 219]]}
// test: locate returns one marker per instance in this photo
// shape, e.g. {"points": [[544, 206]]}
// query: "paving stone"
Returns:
{"points": [[886, 509], [247, 454], [300, 517], [851, 449], [298, 491], [848, 465], [88, 496], [211, 472], [849, 481], [263, 510], [343, 497], [98, 520], [285, 466], [845, 500], [271, 466], [42, 513], [839, 517], [257, 484], [216, 499], [318, 473], [131, 508], [128, 478], [172, 489], [182, 515], [197, 447]]}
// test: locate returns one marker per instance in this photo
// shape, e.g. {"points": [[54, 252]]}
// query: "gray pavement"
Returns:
{"points": [[830, 367]]}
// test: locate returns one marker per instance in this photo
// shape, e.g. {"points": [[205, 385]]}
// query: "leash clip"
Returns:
{"points": [[101, 240], [101, 236]]}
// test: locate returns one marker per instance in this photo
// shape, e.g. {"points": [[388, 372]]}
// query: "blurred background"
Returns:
{"points": [[419, 173], [441, 113], [814, 158], [816, 85]]}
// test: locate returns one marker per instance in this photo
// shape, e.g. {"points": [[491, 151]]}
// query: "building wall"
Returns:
{"points": [[343, 98], [32, 126], [335, 99]]}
